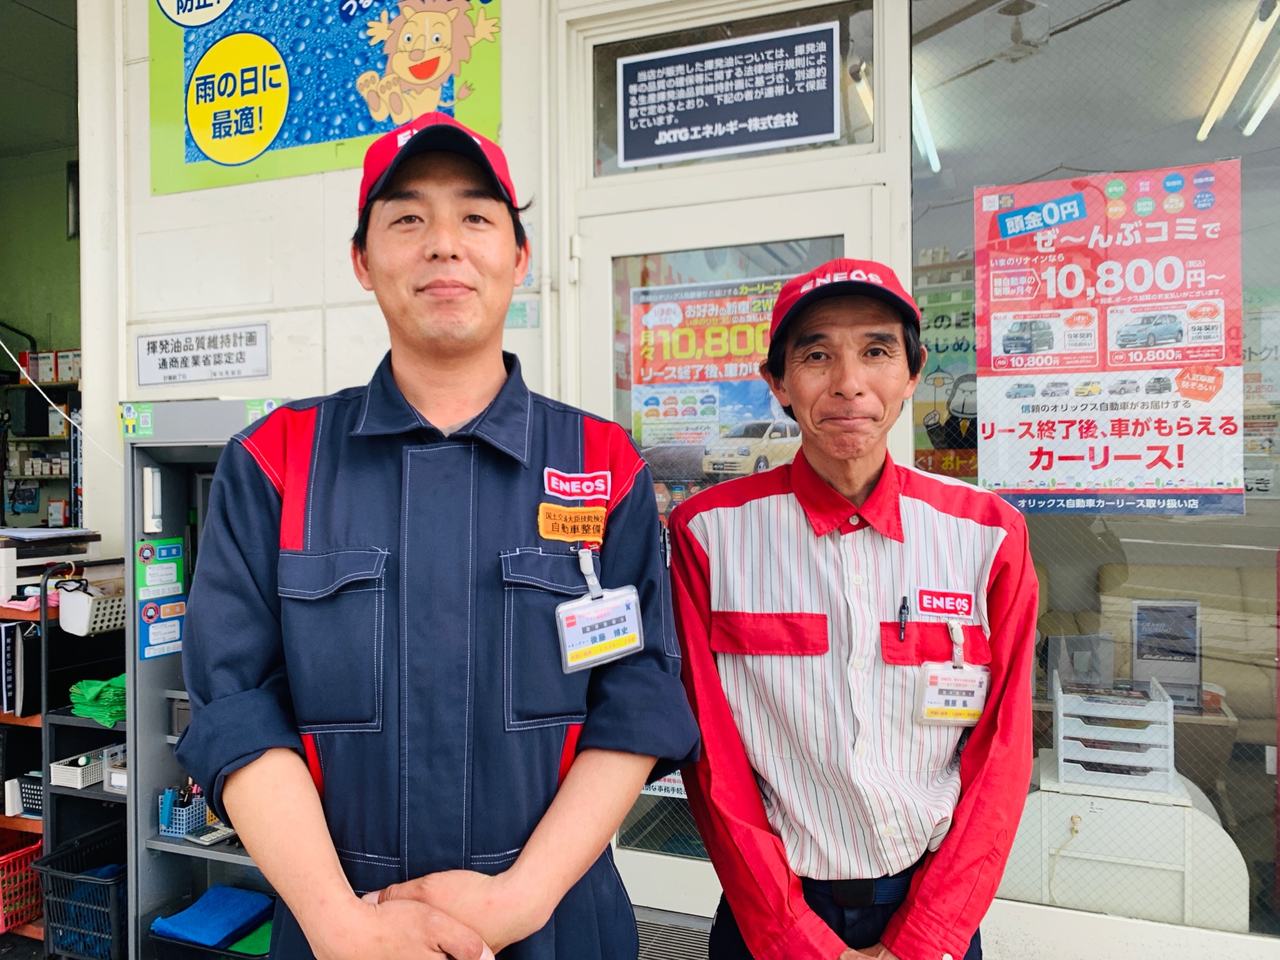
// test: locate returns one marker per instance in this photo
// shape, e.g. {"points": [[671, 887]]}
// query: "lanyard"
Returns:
{"points": [[589, 571]]}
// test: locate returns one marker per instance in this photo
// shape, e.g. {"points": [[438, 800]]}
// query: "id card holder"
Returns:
{"points": [[953, 693], [601, 627]]}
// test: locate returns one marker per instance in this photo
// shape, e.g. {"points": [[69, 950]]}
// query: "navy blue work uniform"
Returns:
{"points": [[381, 597]]}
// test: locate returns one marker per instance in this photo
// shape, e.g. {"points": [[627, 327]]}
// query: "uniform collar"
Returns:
{"points": [[504, 424], [828, 509]]}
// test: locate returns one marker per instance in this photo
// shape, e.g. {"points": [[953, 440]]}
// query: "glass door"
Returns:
{"points": [[675, 308]]}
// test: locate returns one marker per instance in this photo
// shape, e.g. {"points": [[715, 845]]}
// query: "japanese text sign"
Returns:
{"points": [[232, 353], [753, 93]]}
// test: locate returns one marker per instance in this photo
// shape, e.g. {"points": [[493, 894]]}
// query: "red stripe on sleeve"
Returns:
{"points": [[570, 750], [606, 447], [282, 447]]}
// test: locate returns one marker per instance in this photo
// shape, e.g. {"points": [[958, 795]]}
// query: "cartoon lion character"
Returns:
{"points": [[426, 44]]}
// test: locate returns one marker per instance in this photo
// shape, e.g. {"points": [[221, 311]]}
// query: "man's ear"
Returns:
{"points": [[523, 257], [776, 387], [915, 381], [360, 265]]}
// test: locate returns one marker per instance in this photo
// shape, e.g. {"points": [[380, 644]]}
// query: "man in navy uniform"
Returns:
{"points": [[422, 750]]}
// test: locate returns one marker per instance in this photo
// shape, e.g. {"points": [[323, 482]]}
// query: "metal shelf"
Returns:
{"points": [[26, 384], [94, 792], [219, 851], [65, 718], [14, 438]]}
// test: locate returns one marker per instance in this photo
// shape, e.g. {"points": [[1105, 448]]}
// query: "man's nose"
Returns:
{"points": [[847, 379], [441, 241]]}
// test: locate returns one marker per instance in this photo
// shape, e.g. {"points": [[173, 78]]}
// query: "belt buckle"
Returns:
{"points": [[853, 894]]}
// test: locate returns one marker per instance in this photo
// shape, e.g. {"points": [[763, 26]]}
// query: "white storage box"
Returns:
{"points": [[69, 772], [1107, 740]]}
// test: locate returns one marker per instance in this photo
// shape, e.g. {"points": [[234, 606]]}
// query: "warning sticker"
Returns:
{"points": [[570, 524]]}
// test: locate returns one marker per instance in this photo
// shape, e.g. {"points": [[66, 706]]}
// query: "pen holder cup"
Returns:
{"points": [[182, 820]]}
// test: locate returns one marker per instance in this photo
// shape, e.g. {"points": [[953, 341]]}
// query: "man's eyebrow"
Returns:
{"points": [[466, 193], [480, 193], [880, 336], [404, 193], [808, 340]]}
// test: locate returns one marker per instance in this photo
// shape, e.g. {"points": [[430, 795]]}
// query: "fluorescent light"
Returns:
{"points": [[1254, 37], [1264, 97], [920, 126]]}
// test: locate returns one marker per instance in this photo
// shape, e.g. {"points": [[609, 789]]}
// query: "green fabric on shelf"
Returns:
{"points": [[256, 944], [100, 700]]}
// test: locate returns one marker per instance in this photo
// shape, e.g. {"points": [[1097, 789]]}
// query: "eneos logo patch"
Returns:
{"points": [[943, 602], [576, 486]]}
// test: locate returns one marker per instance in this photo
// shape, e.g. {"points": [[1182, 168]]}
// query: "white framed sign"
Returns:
{"points": [[189, 356]]}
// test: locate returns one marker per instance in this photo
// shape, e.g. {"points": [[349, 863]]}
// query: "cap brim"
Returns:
{"points": [[439, 138], [848, 288]]}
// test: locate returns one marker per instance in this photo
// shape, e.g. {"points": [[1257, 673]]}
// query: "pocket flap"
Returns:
{"points": [[769, 634], [311, 576], [929, 641], [557, 572]]}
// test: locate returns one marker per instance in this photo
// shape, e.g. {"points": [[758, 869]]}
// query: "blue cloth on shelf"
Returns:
{"points": [[218, 919]]}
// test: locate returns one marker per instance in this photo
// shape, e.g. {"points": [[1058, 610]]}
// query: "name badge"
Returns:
{"points": [[953, 693], [596, 630]]}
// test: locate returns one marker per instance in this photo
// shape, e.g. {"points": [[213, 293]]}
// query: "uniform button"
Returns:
{"points": [[947, 956], [889, 831], [857, 579], [858, 663]]}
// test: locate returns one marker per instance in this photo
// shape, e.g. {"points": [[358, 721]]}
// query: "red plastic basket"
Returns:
{"points": [[19, 884]]}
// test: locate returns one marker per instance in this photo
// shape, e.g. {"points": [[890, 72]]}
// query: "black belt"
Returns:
{"points": [[856, 894]]}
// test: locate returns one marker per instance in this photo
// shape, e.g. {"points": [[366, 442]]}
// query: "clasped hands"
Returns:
{"points": [[455, 914]]}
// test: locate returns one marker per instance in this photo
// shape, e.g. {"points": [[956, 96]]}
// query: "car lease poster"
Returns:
{"points": [[1109, 342], [245, 90], [696, 351]]}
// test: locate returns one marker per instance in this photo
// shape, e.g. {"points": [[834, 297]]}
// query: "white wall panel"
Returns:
{"points": [[356, 339]]}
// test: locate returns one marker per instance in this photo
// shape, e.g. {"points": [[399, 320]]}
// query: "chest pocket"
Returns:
{"points": [[537, 691], [929, 641], [332, 611]]}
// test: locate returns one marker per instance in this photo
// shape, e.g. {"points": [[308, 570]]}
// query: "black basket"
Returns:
{"points": [[32, 790], [85, 916], [167, 949]]}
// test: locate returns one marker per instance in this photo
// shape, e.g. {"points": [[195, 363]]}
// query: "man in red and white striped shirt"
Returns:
{"points": [[819, 605]]}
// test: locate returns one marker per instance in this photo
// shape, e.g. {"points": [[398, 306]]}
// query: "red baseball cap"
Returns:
{"points": [[431, 131], [841, 278]]}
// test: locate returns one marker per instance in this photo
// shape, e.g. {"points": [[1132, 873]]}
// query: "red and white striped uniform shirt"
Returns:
{"points": [[787, 600]]}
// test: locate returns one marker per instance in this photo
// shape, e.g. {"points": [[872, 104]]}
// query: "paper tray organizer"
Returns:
{"points": [[1133, 740]]}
